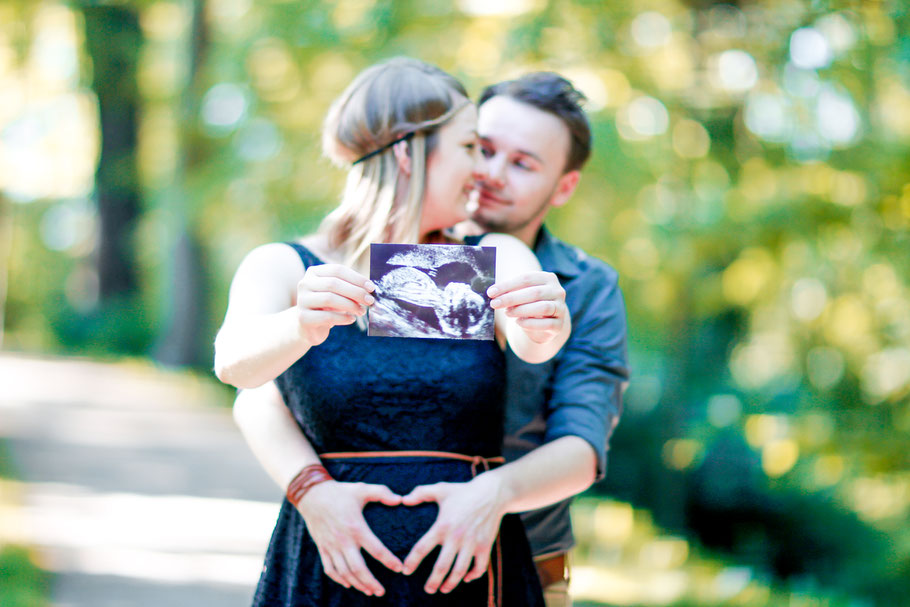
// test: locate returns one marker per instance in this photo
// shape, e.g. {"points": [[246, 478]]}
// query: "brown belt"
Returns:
{"points": [[552, 569], [478, 464]]}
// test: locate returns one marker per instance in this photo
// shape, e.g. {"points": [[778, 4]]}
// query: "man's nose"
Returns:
{"points": [[489, 170]]}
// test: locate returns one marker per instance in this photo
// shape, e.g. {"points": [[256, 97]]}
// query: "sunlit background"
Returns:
{"points": [[750, 182]]}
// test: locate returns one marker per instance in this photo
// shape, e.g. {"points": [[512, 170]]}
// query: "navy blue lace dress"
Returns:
{"points": [[354, 393]]}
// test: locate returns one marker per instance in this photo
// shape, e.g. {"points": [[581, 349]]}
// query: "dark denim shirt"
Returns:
{"points": [[579, 391]]}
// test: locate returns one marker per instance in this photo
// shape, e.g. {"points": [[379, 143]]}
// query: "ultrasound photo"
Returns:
{"points": [[432, 290]]}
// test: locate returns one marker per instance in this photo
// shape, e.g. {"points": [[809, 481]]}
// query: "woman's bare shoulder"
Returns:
{"points": [[272, 260]]}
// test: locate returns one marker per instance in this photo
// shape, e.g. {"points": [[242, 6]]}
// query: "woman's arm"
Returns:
{"points": [[277, 311], [530, 304]]}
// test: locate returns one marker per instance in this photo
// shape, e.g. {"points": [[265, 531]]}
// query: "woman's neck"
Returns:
{"points": [[437, 237]]}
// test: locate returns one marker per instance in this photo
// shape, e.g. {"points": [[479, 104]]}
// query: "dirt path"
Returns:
{"points": [[138, 490]]}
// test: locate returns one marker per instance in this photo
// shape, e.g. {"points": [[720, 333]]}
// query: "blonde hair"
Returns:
{"points": [[384, 103]]}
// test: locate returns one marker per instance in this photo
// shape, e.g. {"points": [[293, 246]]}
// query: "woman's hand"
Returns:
{"points": [[530, 304], [465, 529], [330, 295], [333, 512], [536, 301], [278, 310]]}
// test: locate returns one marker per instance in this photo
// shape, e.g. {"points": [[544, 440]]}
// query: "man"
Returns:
{"points": [[534, 140]]}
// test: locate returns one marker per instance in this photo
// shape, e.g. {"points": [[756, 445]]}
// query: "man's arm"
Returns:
{"points": [[470, 513], [588, 382], [592, 371]]}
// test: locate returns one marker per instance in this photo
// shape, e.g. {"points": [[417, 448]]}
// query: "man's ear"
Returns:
{"points": [[565, 187], [403, 156]]}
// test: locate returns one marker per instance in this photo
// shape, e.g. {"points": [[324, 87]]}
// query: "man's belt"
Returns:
{"points": [[552, 569]]}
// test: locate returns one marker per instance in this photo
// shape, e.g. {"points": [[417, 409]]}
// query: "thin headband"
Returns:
{"points": [[404, 137]]}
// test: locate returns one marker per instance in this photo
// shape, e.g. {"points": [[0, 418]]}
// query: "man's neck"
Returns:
{"points": [[528, 234]]}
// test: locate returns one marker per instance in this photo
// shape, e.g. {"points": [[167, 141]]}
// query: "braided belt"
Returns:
{"points": [[478, 464]]}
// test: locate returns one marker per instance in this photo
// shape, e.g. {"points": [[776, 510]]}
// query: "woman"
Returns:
{"points": [[387, 415]]}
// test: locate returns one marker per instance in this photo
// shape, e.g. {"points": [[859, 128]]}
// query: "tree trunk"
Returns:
{"points": [[113, 39], [184, 340]]}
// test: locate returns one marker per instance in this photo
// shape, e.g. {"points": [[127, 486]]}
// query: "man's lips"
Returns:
{"points": [[487, 197]]}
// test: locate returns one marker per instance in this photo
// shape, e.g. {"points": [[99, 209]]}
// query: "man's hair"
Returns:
{"points": [[553, 94]]}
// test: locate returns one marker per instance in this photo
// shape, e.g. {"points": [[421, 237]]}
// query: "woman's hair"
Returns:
{"points": [[386, 102]]}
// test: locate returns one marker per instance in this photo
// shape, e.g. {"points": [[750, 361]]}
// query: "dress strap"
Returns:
{"points": [[306, 256]]}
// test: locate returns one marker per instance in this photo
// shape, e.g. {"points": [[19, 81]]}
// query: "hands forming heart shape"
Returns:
{"points": [[465, 529]]}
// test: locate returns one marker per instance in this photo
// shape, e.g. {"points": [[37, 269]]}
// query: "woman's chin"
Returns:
{"points": [[456, 218]]}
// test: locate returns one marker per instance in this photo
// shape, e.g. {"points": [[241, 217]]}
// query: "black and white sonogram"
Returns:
{"points": [[432, 290]]}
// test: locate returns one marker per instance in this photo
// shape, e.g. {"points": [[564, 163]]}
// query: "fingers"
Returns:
{"points": [[343, 273], [529, 295], [334, 517], [328, 565], [361, 577], [458, 570], [335, 287], [345, 565], [481, 561], [421, 549], [368, 540], [325, 318], [540, 324], [332, 284], [533, 288], [537, 309], [441, 567], [381, 494], [332, 302], [425, 493], [349, 569], [522, 281], [378, 551]]}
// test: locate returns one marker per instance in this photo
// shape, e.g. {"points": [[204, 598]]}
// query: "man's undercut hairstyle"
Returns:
{"points": [[551, 93]]}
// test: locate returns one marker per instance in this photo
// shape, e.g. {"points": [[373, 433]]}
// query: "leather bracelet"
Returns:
{"points": [[305, 480]]}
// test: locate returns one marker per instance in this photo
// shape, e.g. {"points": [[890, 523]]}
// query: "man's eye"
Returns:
{"points": [[470, 146], [486, 152]]}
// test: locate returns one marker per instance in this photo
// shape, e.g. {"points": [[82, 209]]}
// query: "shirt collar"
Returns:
{"points": [[555, 256]]}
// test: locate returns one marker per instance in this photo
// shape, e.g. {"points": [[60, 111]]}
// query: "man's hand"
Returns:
{"points": [[536, 300], [333, 513], [465, 528], [329, 295]]}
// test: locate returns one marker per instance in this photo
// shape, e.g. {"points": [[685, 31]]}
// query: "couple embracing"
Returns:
{"points": [[406, 462]]}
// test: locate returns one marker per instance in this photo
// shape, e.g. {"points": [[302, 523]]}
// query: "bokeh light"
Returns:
{"points": [[224, 107], [809, 49], [642, 118], [768, 116], [651, 29], [734, 71], [825, 367]]}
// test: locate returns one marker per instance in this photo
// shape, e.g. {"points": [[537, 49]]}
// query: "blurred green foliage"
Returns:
{"points": [[22, 583], [750, 181]]}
